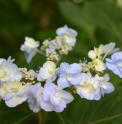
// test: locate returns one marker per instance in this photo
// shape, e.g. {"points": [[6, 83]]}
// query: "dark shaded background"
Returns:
{"points": [[96, 22]]}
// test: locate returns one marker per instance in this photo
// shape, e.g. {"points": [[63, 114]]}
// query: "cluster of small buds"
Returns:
{"points": [[87, 79], [62, 44], [27, 76], [49, 48]]}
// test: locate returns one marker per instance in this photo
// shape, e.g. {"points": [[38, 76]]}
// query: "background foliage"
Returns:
{"points": [[97, 22]]}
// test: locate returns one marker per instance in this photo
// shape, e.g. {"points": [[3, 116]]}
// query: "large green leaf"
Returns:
{"points": [[15, 116], [108, 110], [18, 115], [93, 14], [76, 16], [63, 119], [105, 14]]}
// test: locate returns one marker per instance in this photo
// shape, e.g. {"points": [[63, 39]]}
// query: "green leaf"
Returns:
{"points": [[108, 110], [15, 116], [94, 14], [63, 119], [77, 16], [21, 114], [102, 16]]}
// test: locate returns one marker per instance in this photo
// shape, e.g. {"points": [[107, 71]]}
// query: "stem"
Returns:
{"points": [[40, 52], [42, 115], [104, 56], [58, 60], [39, 117]]}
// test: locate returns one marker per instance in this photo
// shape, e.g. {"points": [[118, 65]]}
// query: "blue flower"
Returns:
{"points": [[115, 63], [56, 97], [69, 74]]}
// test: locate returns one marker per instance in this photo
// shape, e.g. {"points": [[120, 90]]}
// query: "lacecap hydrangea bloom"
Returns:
{"points": [[57, 84]]}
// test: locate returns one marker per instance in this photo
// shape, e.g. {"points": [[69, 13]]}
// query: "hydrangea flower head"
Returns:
{"points": [[29, 47], [115, 63], [69, 74]]}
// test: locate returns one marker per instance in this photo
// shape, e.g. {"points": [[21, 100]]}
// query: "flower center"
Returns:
{"points": [[2, 73], [68, 77], [41, 94], [68, 70], [96, 61], [31, 43], [51, 70], [85, 86], [119, 64], [57, 96]]}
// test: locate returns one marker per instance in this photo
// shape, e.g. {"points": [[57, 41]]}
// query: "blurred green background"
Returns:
{"points": [[96, 21]]}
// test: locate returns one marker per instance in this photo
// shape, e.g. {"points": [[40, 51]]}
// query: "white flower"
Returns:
{"points": [[13, 93], [105, 86], [30, 48], [31, 98], [9, 71], [47, 71], [35, 100], [106, 49], [2, 60], [69, 74], [88, 86], [68, 35], [95, 53], [70, 41], [99, 65], [109, 48], [115, 63], [57, 97], [66, 31]]}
